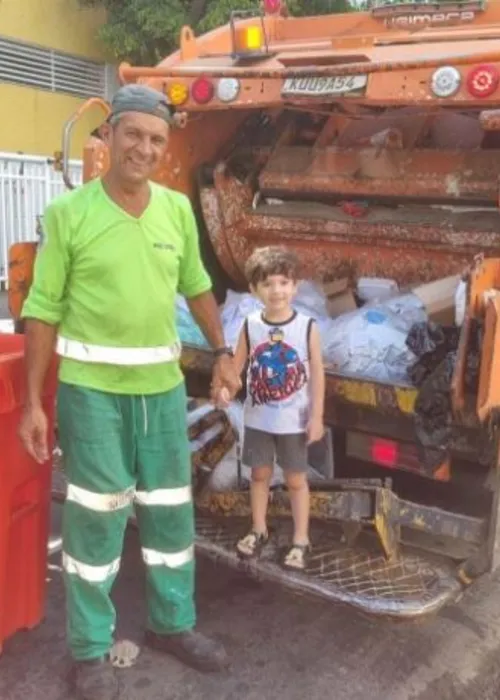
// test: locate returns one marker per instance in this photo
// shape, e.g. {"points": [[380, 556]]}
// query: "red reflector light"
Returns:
{"points": [[272, 6], [483, 81], [202, 91], [384, 452]]}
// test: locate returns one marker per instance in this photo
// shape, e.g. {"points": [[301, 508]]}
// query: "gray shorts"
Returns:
{"points": [[260, 449]]}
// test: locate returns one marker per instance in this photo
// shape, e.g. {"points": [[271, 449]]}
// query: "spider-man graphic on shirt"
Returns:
{"points": [[276, 371]]}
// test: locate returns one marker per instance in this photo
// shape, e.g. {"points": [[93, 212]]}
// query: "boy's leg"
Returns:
{"points": [[292, 458], [166, 522], [259, 497], [298, 489], [98, 462], [258, 455]]}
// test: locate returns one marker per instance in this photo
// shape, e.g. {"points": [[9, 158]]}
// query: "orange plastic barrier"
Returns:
{"points": [[25, 488]]}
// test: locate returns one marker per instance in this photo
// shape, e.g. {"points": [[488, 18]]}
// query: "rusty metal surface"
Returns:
{"points": [[411, 121], [483, 275], [348, 505], [358, 502], [387, 171], [387, 398], [440, 522], [490, 119], [488, 396], [21, 257], [130, 74], [413, 586], [206, 458], [387, 523], [411, 244]]}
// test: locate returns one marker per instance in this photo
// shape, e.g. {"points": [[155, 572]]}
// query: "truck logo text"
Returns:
{"points": [[431, 18]]}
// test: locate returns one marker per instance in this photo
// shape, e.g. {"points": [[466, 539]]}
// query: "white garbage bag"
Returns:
{"points": [[371, 342], [236, 308], [310, 300]]}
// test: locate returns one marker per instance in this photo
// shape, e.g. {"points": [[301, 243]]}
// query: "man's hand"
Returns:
{"points": [[225, 376], [222, 399], [33, 431], [315, 430]]}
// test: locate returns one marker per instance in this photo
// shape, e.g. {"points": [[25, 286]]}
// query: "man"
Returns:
{"points": [[115, 253]]}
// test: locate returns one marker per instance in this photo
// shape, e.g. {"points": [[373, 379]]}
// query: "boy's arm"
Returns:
{"points": [[241, 352], [317, 372], [240, 358]]}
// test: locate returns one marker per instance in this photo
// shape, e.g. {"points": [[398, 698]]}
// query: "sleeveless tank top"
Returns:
{"points": [[278, 374]]}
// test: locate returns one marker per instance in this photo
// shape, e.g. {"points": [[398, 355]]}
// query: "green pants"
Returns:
{"points": [[121, 450]]}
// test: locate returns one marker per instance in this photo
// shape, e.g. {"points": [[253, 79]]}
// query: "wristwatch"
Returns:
{"points": [[223, 351]]}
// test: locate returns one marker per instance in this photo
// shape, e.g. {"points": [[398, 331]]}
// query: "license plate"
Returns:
{"points": [[324, 86]]}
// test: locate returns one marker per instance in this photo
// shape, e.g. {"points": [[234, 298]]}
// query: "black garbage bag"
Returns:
{"points": [[436, 348], [433, 415], [473, 359], [430, 343]]}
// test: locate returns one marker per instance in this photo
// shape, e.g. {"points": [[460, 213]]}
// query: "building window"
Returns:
{"points": [[45, 69]]}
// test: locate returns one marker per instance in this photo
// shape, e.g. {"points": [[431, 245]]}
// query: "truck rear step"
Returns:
{"points": [[414, 585]]}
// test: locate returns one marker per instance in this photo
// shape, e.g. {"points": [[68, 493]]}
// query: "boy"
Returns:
{"points": [[283, 411]]}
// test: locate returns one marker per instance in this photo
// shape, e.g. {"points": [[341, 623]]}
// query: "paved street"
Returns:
{"points": [[281, 647]]}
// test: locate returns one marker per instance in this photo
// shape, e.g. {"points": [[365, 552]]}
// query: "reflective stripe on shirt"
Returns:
{"points": [[85, 352]]}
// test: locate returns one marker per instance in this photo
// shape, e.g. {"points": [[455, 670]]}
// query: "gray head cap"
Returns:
{"points": [[144, 99]]}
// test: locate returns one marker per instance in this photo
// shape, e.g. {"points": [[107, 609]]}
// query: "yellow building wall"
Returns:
{"points": [[31, 121]]}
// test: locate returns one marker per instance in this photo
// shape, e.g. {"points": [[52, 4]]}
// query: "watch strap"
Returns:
{"points": [[219, 352]]}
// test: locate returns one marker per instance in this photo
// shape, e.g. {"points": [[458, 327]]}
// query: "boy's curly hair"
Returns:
{"points": [[271, 260]]}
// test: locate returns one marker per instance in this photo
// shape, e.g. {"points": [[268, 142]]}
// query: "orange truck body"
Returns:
{"points": [[369, 142]]}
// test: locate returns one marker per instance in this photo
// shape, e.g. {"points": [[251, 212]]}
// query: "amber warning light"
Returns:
{"points": [[248, 37]]}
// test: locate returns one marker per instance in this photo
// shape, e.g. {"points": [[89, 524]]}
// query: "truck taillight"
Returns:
{"points": [[446, 81], [384, 452], [391, 454], [202, 91], [272, 7], [178, 93], [483, 81], [228, 89]]}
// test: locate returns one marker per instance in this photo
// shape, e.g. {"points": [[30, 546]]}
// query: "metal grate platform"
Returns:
{"points": [[359, 576]]}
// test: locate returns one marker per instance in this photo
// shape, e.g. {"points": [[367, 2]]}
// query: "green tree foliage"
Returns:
{"points": [[145, 31]]}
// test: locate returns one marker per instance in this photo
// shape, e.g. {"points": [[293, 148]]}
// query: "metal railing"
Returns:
{"points": [[27, 185]]}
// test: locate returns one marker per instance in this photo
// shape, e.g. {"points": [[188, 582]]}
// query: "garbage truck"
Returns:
{"points": [[369, 143]]}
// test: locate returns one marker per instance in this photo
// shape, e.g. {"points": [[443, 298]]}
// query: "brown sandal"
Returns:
{"points": [[252, 545], [297, 556]]}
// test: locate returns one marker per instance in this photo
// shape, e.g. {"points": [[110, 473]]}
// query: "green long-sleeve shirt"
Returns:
{"points": [[108, 279]]}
